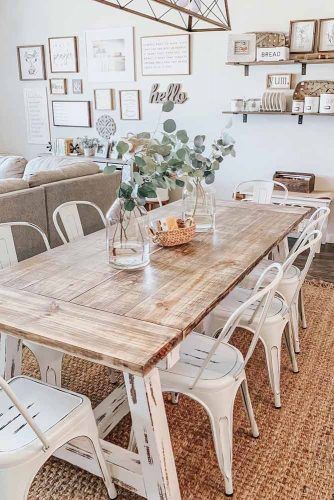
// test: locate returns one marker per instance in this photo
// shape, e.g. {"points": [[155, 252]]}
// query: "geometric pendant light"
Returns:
{"points": [[187, 15]]}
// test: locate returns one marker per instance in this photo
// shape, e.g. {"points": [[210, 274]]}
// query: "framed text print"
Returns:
{"points": [[129, 104], [71, 113], [165, 55], [63, 54], [31, 62], [110, 56]]}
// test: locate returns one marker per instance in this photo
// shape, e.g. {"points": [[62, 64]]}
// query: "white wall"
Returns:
{"points": [[263, 145]]}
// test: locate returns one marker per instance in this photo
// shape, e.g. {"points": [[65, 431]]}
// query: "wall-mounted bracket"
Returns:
{"points": [[244, 118], [303, 68], [300, 119], [246, 70]]}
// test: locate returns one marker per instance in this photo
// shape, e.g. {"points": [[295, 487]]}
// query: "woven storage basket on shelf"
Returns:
{"points": [[174, 237]]}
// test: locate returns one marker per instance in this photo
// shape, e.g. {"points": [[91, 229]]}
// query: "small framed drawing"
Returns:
{"points": [[103, 99], [326, 35], [63, 54], [77, 86], [302, 36], [165, 55], [241, 48], [58, 86], [31, 61], [71, 114], [279, 81], [129, 104], [102, 150]]}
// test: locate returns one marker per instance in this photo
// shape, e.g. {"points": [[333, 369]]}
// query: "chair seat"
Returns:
{"points": [[47, 405], [291, 275], [224, 364]]}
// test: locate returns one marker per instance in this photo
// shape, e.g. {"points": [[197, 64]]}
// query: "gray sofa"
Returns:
{"points": [[37, 204]]}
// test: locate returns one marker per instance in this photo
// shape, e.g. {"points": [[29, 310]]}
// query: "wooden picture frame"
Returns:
{"points": [[60, 62], [279, 81], [104, 99], [167, 69], [78, 114], [31, 67], [62, 88], [330, 44], [241, 48], [129, 102], [77, 88], [310, 47]]}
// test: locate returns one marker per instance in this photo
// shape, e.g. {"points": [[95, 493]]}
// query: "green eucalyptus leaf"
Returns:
{"points": [[129, 205], [141, 201], [122, 147], [147, 190], [109, 169], [182, 136], [144, 135], [179, 182], [167, 106], [233, 153], [209, 179], [138, 178], [215, 165], [139, 161], [181, 153], [169, 126]]}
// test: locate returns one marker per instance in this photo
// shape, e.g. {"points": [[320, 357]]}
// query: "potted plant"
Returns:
{"points": [[89, 145]]}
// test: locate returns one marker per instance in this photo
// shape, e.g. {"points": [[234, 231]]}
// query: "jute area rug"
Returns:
{"points": [[292, 459]]}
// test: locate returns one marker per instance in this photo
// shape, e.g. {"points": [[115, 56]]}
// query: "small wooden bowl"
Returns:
{"points": [[174, 237]]}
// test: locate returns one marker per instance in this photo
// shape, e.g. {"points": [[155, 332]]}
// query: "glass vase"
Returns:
{"points": [[127, 237], [200, 204]]}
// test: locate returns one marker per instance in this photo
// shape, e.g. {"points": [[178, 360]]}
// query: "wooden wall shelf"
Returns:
{"points": [[303, 62], [277, 113]]}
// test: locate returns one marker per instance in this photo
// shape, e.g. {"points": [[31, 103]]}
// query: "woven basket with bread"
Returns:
{"points": [[172, 231]]}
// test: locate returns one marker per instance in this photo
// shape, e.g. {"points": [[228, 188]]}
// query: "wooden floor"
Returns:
{"points": [[323, 264]]}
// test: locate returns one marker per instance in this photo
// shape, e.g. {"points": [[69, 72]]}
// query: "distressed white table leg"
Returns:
{"points": [[10, 356], [152, 436]]}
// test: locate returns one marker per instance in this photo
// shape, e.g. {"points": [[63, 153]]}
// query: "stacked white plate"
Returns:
{"points": [[274, 101]]}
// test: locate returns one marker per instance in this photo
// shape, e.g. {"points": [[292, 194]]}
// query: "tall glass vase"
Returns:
{"points": [[200, 204], [127, 237]]}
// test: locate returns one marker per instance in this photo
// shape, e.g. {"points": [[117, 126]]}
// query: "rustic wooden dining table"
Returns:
{"points": [[72, 300]]}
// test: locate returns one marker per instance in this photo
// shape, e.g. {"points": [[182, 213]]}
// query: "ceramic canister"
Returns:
{"points": [[237, 105], [311, 104], [297, 106], [327, 103]]}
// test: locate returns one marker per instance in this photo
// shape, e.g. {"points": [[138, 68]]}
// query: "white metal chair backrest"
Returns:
{"points": [[70, 218], [262, 191], [24, 412], [315, 222], [260, 300], [8, 254]]}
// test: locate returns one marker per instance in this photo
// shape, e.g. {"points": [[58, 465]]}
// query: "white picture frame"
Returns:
{"points": [[71, 113], [279, 81], [110, 55], [302, 36], [165, 55], [129, 101], [102, 149], [37, 115], [241, 48], [103, 99], [326, 35], [31, 61], [77, 86], [63, 51], [58, 86]]}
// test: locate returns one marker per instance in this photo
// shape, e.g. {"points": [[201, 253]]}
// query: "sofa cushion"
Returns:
{"points": [[12, 167], [45, 177], [8, 185], [79, 169], [50, 163]]}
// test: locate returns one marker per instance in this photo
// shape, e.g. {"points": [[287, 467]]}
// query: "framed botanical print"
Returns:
{"points": [[326, 35], [302, 36], [31, 61], [58, 86], [129, 104], [63, 54], [103, 99], [77, 86]]}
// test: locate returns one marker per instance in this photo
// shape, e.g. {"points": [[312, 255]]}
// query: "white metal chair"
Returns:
{"points": [[211, 371], [35, 420], [49, 360], [70, 218], [261, 191]]}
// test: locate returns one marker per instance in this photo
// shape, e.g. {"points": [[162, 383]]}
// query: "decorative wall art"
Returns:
{"points": [[302, 36], [110, 56], [326, 35], [31, 61], [279, 81], [173, 93], [165, 55], [77, 86], [71, 113], [102, 149], [58, 86], [272, 54], [37, 117], [129, 104], [105, 127], [270, 39], [103, 99], [241, 48], [63, 54]]}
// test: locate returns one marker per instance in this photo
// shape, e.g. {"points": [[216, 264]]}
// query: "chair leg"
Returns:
{"points": [[10, 356], [302, 309], [113, 375], [132, 446], [15, 481], [295, 326], [249, 408], [289, 343], [49, 361], [112, 493], [271, 337]]}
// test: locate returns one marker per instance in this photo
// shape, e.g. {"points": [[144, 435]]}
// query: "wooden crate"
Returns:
{"points": [[299, 182]]}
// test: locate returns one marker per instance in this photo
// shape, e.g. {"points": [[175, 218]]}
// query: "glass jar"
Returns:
{"points": [[127, 236], [200, 204]]}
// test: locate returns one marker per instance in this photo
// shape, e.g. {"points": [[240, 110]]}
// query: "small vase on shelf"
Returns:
{"points": [[200, 204], [89, 151], [127, 237]]}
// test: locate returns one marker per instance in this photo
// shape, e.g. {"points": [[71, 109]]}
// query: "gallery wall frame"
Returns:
{"points": [[310, 28], [63, 53], [166, 68], [129, 103], [31, 62], [71, 113], [325, 42]]}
